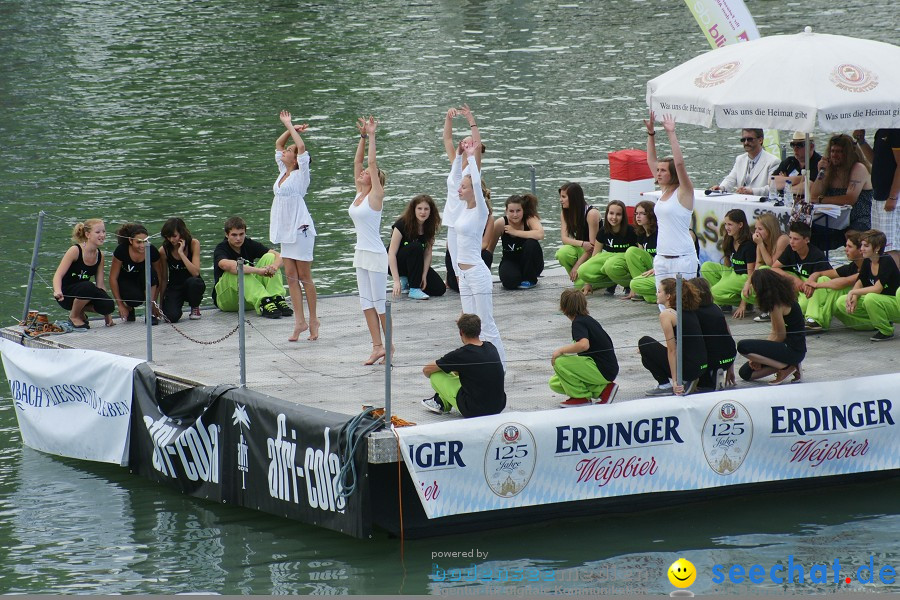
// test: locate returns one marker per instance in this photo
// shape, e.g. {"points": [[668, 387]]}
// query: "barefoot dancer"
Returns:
{"points": [[291, 225]]}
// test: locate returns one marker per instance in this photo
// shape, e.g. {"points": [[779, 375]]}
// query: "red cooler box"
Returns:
{"points": [[629, 176]]}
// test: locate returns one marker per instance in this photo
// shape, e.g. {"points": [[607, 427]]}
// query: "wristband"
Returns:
{"points": [[651, 133], [364, 136]]}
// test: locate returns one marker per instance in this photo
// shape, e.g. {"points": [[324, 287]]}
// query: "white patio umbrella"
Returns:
{"points": [[843, 83]]}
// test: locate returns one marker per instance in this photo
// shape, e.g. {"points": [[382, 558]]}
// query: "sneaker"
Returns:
{"points": [[435, 404], [880, 337], [575, 402], [762, 317], [611, 290], [609, 393], [660, 391], [268, 308], [627, 290], [130, 317], [526, 285], [720, 379], [691, 387], [417, 294], [404, 284], [726, 308], [154, 320], [283, 306], [195, 313]]}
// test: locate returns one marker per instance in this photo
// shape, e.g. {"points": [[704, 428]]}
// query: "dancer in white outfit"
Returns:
{"points": [[370, 258], [675, 252], [291, 225], [454, 205], [475, 284]]}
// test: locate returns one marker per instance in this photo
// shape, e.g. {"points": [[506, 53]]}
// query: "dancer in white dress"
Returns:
{"points": [[475, 283], [291, 225], [370, 258]]}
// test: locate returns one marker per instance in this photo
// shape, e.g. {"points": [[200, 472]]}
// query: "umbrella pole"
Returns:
{"points": [[806, 179]]}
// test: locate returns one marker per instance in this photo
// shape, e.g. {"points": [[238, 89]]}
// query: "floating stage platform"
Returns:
{"points": [[281, 444]]}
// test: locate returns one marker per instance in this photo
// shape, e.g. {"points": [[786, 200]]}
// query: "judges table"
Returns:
{"points": [[709, 214]]}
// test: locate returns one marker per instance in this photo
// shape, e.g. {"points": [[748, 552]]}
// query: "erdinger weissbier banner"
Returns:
{"points": [[724, 21], [646, 446], [74, 403]]}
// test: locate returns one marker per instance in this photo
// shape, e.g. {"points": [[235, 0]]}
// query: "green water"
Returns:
{"points": [[143, 111]]}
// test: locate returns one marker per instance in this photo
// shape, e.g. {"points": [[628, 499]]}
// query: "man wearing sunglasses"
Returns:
{"points": [[790, 167], [751, 171]]}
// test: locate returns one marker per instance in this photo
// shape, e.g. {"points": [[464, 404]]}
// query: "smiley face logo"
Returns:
{"points": [[682, 573]]}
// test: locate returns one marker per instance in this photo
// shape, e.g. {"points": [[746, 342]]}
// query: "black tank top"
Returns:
{"points": [[178, 273], [584, 233], [79, 271], [795, 329], [511, 244], [694, 352]]}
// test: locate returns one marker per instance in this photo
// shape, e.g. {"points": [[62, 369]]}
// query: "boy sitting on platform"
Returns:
{"points": [[585, 368], [874, 301], [263, 286], [470, 378], [800, 260]]}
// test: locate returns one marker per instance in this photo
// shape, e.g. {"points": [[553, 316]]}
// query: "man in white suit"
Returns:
{"points": [[751, 171]]}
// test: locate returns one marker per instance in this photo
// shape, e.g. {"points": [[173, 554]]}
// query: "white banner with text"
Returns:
{"points": [[74, 403], [648, 446]]}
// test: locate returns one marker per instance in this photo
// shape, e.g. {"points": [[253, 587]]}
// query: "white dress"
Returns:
{"points": [[290, 223]]}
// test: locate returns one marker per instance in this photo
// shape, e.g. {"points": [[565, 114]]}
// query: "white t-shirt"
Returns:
{"points": [[289, 212], [469, 227], [673, 222]]}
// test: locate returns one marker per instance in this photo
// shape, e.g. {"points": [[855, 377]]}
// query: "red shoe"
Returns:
{"points": [[608, 394], [575, 402]]}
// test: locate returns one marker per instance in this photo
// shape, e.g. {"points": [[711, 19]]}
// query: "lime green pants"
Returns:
{"points": [[640, 261], [256, 287], [725, 283], [872, 311], [567, 257], [577, 377], [447, 386], [593, 270], [821, 305], [617, 268]]}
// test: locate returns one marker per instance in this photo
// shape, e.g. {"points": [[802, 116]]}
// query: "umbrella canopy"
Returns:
{"points": [[842, 82]]}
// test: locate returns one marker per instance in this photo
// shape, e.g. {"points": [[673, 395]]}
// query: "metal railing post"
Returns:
{"points": [[679, 332], [242, 348], [533, 180], [148, 314], [388, 345], [34, 259]]}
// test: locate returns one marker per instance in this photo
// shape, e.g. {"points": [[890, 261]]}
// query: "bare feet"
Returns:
{"points": [[108, 320], [393, 351], [298, 329], [377, 353], [313, 330], [629, 296]]}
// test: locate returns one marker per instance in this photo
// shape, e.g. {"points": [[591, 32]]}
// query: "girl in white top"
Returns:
{"points": [[475, 283], [454, 205], [291, 225], [675, 252], [370, 258]]}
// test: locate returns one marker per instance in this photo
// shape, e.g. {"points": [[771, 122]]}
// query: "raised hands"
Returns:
{"points": [[668, 123], [361, 125], [650, 124], [285, 117], [301, 128], [467, 113], [371, 125]]}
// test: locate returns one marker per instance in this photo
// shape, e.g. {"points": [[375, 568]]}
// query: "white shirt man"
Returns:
{"points": [[751, 171]]}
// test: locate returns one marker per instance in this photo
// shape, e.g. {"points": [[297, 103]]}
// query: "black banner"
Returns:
{"points": [[244, 448]]}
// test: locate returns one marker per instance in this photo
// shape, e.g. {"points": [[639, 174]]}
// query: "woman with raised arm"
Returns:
{"points": [[126, 274], [475, 283], [181, 281], [291, 225], [83, 261], [844, 178], [579, 224], [519, 232], [409, 254], [784, 351], [453, 206], [370, 258], [675, 251]]}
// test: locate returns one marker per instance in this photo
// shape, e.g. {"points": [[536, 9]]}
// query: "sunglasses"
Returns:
{"points": [[744, 140], [797, 144]]}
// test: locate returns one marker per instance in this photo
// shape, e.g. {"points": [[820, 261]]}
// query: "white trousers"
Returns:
{"points": [[476, 294], [668, 267], [372, 289]]}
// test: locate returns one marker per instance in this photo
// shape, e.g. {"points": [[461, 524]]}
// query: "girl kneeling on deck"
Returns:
{"points": [[126, 275], [72, 287], [409, 254], [519, 232], [182, 282], [585, 368], [785, 349]]}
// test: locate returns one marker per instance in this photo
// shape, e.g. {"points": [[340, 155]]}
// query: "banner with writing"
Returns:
{"points": [[724, 21], [704, 441], [74, 403]]}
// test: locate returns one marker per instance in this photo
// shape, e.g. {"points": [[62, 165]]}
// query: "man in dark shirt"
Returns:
{"points": [[885, 158], [470, 378], [263, 286], [791, 167], [800, 260]]}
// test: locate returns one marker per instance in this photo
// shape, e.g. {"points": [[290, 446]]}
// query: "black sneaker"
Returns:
{"points": [[268, 308], [812, 326], [130, 316], [762, 317], [435, 405], [880, 337], [283, 306], [611, 290]]}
